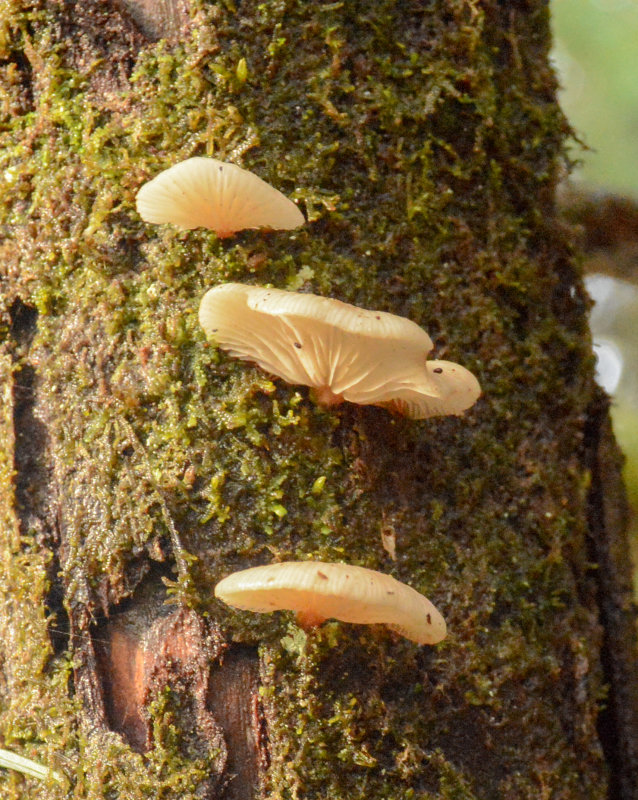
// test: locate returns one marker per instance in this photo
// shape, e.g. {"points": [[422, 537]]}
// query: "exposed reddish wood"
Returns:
{"points": [[233, 698], [144, 651], [124, 676], [141, 655]]}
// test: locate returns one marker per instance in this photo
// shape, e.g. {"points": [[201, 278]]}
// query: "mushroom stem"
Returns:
{"points": [[398, 407], [326, 397], [309, 619]]}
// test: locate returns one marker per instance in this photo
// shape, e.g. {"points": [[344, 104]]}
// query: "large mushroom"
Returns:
{"points": [[207, 193], [343, 352], [318, 591]]}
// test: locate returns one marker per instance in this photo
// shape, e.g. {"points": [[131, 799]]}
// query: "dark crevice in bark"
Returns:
{"points": [[23, 322], [618, 719], [33, 482], [29, 434], [18, 61], [60, 627]]}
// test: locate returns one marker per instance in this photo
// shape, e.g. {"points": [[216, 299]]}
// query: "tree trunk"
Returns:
{"points": [[140, 465]]}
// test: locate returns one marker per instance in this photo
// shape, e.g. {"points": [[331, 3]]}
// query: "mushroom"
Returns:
{"points": [[343, 352], [205, 192], [456, 389], [317, 591]]}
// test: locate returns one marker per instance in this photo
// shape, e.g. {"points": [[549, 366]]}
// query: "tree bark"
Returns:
{"points": [[608, 230], [139, 465]]}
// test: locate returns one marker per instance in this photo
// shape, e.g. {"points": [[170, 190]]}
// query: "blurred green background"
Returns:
{"points": [[596, 55]]}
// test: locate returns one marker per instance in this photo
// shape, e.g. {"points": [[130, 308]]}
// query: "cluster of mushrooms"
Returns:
{"points": [[344, 353]]}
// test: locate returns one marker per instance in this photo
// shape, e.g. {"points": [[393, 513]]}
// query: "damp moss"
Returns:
{"points": [[424, 145]]}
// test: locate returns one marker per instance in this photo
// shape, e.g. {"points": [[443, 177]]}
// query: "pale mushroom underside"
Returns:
{"points": [[207, 193], [358, 355], [340, 591]]}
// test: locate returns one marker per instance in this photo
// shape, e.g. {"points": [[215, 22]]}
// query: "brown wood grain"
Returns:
{"points": [[157, 19]]}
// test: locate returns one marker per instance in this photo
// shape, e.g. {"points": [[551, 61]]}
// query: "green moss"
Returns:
{"points": [[424, 146]]}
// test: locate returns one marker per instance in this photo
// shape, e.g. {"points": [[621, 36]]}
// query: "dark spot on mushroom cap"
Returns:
{"points": [[215, 330], [390, 592], [322, 575], [429, 619], [297, 345], [438, 370], [378, 317]]}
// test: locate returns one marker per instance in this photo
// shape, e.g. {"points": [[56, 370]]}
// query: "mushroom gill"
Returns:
{"points": [[207, 193], [342, 351]]}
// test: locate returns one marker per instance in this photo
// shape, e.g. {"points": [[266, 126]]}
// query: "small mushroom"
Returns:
{"points": [[343, 352], [455, 390], [207, 193], [317, 591]]}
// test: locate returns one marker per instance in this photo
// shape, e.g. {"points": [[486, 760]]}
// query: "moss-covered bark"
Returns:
{"points": [[424, 142]]}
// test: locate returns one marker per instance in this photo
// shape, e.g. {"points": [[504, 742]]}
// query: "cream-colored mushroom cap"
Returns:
{"points": [[342, 351], [317, 591], [207, 193], [455, 389]]}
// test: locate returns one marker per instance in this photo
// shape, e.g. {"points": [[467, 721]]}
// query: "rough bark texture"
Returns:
{"points": [[423, 141]]}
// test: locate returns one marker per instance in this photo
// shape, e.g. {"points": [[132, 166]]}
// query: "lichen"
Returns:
{"points": [[424, 145]]}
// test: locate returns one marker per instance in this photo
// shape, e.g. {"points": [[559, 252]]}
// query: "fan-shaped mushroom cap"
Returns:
{"points": [[342, 351], [204, 192], [318, 591], [455, 390]]}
